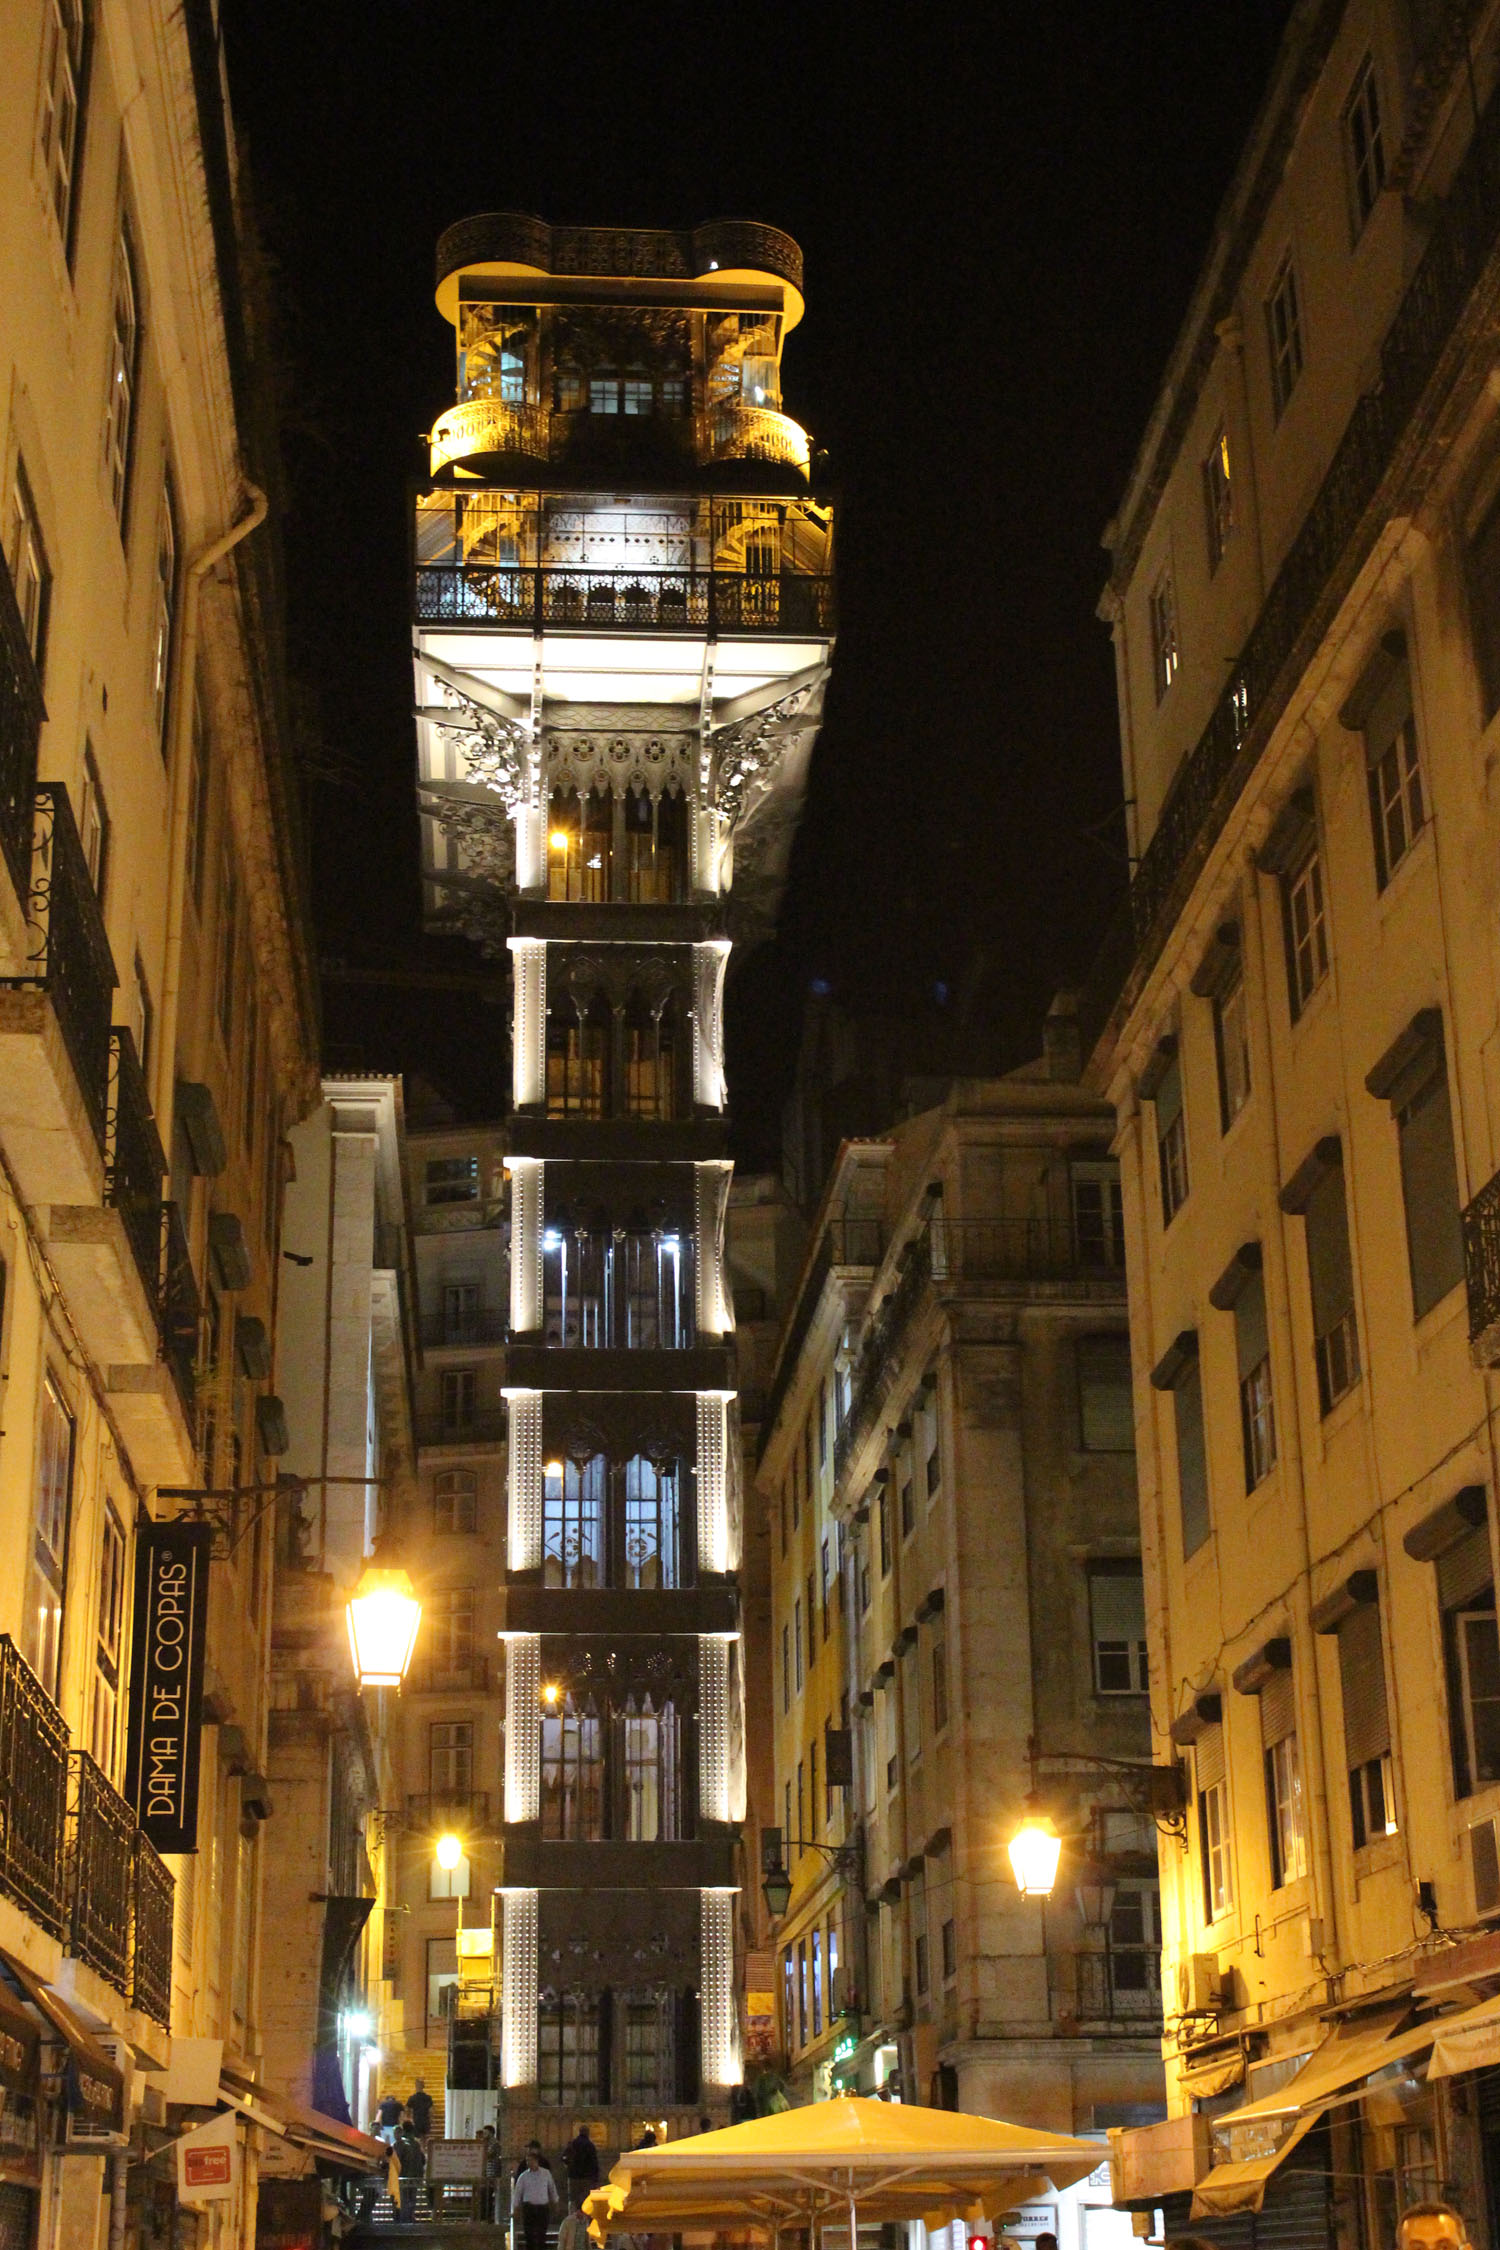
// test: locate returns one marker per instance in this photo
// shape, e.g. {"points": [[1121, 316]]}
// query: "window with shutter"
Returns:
{"points": [[1367, 1731], [1171, 1140], [1117, 1607], [1106, 1417], [1192, 1458], [1253, 1356], [1429, 1189], [1331, 1278], [1213, 1821], [1285, 1812], [1471, 1650]]}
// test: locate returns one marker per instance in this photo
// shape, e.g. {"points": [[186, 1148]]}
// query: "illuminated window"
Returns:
{"points": [[108, 1631], [569, 390], [61, 105], [119, 404], [567, 2049], [637, 393], [604, 393], [1364, 145], [1164, 649], [53, 1505], [447, 1882], [1218, 498], [573, 1523], [573, 1773], [26, 558], [647, 1747], [1117, 1614], [1213, 1823], [651, 1546], [1284, 334]]}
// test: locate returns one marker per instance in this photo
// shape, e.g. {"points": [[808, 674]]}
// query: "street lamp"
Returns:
{"points": [[449, 1852], [1034, 1851], [776, 1883], [1095, 1892], [383, 1613]]}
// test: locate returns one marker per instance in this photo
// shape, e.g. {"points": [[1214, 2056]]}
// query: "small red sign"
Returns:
{"points": [[206, 2167]]}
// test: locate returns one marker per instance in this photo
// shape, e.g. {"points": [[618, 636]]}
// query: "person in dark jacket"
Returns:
{"points": [[411, 2158], [581, 2161], [420, 2106]]}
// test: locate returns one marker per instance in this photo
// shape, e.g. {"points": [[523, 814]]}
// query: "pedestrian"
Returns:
{"points": [[706, 2125], [648, 2138], [533, 2195], [387, 2116], [420, 2105], [573, 2234], [488, 2156], [411, 2159], [581, 2162]]}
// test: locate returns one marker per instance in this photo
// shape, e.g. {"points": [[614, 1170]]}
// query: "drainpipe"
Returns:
{"points": [[118, 2169], [181, 773]]}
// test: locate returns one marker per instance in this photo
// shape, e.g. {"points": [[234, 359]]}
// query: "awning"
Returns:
{"points": [[96, 2089], [322, 2136], [1337, 2070], [1205, 2079], [1242, 2186], [1470, 2041]]}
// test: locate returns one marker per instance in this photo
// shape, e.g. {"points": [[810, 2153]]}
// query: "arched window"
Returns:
{"points": [[455, 1500], [580, 845], [573, 1522], [652, 1546], [646, 1748], [578, 1058], [567, 2049], [655, 847], [573, 1773]]}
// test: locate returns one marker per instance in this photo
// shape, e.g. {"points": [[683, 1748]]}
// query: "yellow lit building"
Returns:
{"points": [[1296, 1027]]}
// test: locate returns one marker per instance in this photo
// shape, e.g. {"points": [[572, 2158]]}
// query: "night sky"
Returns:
{"points": [[1002, 215]]}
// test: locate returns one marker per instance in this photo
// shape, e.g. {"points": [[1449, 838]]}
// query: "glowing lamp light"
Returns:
{"points": [[383, 1614], [358, 2024], [551, 1695], [552, 1469], [1034, 1851], [449, 1852], [559, 839]]}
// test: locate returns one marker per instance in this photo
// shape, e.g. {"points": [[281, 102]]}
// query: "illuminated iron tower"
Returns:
{"points": [[623, 624]]}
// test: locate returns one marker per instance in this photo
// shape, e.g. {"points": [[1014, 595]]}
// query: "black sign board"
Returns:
{"points": [[166, 1681]]}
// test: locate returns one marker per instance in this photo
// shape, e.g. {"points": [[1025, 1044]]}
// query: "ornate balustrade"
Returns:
{"points": [[33, 1793], [134, 1164], [528, 599], [151, 1953], [69, 954], [101, 1874], [480, 426], [1482, 1271], [735, 432]]}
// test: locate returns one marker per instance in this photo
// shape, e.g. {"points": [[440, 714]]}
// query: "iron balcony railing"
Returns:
{"points": [[151, 1952], [485, 1426], [1338, 531], [33, 1793], [181, 1310], [464, 1811], [456, 1330], [21, 714], [134, 1164], [69, 956], [101, 1875], [530, 599], [1121, 1984], [445, 1675], [857, 1242], [1482, 1261]]}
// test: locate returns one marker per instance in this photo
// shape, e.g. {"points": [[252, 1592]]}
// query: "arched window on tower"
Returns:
{"points": [[650, 1056], [647, 1749], [653, 1545], [573, 1773], [655, 847], [580, 846], [578, 1057], [573, 1522]]}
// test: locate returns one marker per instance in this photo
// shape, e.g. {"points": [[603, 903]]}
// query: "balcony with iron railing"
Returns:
{"points": [[481, 1425], [33, 1793], [68, 960], [1482, 1273], [21, 714], [448, 1330], [531, 599], [1047, 1251], [735, 431], [1119, 1985], [181, 1310], [468, 1675], [151, 1950], [134, 1164], [101, 1872], [481, 430], [1338, 533], [464, 1811]]}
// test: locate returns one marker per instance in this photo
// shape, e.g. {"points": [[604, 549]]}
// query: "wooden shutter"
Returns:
{"points": [[1278, 1708], [1329, 1270], [1465, 1571], [1192, 1457], [1250, 1342], [1208, 1758], [1429, 1185], [1367, 1729]]}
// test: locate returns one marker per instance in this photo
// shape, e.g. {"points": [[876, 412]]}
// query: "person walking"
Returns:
{"points": [[533, 2195], [411, 2159], [387, 2116], [581, 2163], [420, 2105], [573, 2234]]}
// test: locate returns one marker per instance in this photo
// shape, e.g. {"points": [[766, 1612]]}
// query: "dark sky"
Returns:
{"points": [[1002, 213]]}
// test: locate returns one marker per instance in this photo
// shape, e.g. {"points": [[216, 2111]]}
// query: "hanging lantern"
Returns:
{"points": [[383, 1614], [1034, 1851]]}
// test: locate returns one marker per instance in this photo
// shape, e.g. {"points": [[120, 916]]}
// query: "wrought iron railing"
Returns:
{"points": [[33, 1793], [856, 1242], [151, 1952], [461, 1810], [875, 1370], [1482, 1259], [484, 1325], [101, 1874], [737, 432], [21, 714], [488, 425], [443, 1675], [134, 1164], [485, 1426], [69, 954], [181, 1310], [1121, 1984], [1338, 531], [670, 600]]}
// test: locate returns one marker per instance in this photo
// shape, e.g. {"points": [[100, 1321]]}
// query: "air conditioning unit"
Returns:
{"points": [[82, 2134], [1484, 1865], [1198, 1984]]}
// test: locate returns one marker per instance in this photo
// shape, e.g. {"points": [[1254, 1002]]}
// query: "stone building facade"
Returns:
{"points": [[1297, 1031]]}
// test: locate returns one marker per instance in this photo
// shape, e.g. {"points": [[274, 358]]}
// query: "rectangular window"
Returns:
{"points": [[950, 1951], [801, 1801], [109, 1624], [1364, 146], [457, 1390], [1482, 580], [802, 1992], [1285, 1810], [1284, 334], [1398, 805], [812, 1623], [1305, 926], [124, 346], [567, 2049], [908, 1508], [920, 1954], [1192, 1456], [1367, 1729], [884, 1508], [1331, 1278], [448, 1628], [42, 1623], [452, 1179], [1253, 1356], [1213, 1823], [1171, 1138], [450, 1760], [826, 1566], [1098, 1216], [812, 1787], [1218, 498], [572, 1774], [1232, 1049], [789, 1995], [93, 823], [934, 1472], [1106, 1415], [1471, 1650], [939, 1686], [1117, 1621], [786, 1669], [797, 1638], [60, 115], [197, 843], [835, 1989], [454, 1501], [1429, 1187], [448, 1882], [26, 559], [823, 1425], [164, 619], [1164, 652]]}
